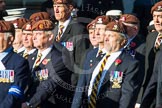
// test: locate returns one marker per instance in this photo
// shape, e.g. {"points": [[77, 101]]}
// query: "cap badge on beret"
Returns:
{"points": [[40, 26], [123, 18], [28, 27], [99, 21], [116, 28], [15, 25], [37, 18], [159, 8], [93, 25]]}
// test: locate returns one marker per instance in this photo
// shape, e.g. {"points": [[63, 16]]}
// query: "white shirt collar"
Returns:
{"points": [[30, 52], [20, 49], [45, 52], [66, 23]]}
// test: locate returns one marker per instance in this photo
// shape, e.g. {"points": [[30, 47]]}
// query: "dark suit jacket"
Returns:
{"points": [[149, 57], [21, 79], [125, 97], [76, 40], [46, 93], [90, 58], [153, 90], [137, 48], [90, 62]]}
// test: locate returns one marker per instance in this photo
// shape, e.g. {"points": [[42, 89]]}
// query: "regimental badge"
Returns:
{"points": [[68, 45], [42, 74], [15, 25], [28, 27], [159, 8], [116, 78], [116, 28], [99, 21], [7, 76], [37, 18], [123, 19], [40, 26]]}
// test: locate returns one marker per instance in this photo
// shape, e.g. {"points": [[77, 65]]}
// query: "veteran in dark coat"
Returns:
{"points": [[71, 34], [152, 57], [14, 70], [151, 47], [118, 84], [135, 45], [49, 72]]}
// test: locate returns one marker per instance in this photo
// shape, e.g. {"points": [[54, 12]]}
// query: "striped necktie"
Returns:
{"points": [[158, 42], [25, 55], [38, 60], [93, 96], [15, 50], [61, 27], [99, 52]]}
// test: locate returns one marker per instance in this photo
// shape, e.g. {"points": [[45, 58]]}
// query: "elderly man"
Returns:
{"points": [[70, 34], [48, 70], [111, 82], [153, 63], [99, 34], [27, 40], [152, 44], [135, 45], [92, 36], [14, 70], [17, 43]]}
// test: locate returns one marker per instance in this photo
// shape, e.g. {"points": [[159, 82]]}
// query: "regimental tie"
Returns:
{"points": [[38, 60], [93, 96], [158, 41], [25, 55], [61, 27], [99, 53], [15, 50]]}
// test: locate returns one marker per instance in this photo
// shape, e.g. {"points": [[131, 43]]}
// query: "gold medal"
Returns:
{"points": [[116, 84]]}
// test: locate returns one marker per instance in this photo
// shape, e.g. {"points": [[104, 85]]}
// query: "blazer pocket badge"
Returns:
{"points": [[116, 78], [68, 45]]}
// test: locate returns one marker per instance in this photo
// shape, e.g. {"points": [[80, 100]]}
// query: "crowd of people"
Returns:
{"points": [[58, 59]]}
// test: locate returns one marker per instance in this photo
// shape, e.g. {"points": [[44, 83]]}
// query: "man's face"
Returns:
{"points": [[40, 40], [113, 41], [93, 38], [27, 38], [2, 5], [157, 18], [62, 11], [100, 32], [18, 39], [5, 42]]}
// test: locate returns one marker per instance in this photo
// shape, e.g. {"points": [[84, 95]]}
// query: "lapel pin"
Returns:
{"points": [[33, 58]]}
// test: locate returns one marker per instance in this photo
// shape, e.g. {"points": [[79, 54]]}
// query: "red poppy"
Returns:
{"points": [[133, 44], [118, 61], [45, 61]]}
